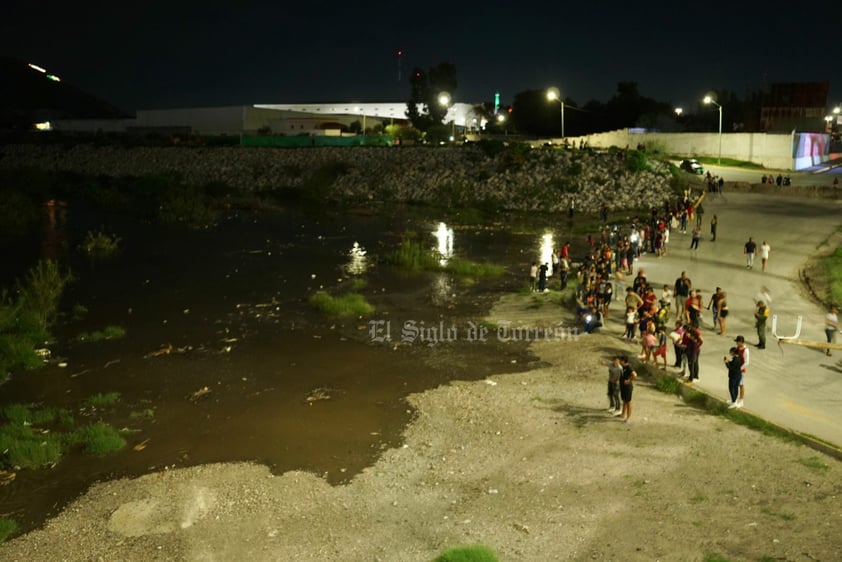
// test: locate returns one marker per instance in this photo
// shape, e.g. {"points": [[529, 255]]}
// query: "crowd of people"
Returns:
{"points": [[656, 318]]}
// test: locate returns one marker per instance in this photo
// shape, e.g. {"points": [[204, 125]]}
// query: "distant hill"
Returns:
{"points": [[28, 96]]}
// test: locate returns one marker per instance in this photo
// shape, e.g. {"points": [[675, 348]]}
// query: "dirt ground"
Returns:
{"points": [[530, 464]]}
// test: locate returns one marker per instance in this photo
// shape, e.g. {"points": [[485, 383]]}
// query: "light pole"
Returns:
{"points": [[553, 94], [709, 100]]}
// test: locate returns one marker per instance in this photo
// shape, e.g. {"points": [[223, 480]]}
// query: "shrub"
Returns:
{"points": [[100, 245], [20, 446], [349, 304], [101, 400], [109, 333], [98, 439], [476, 553], [636, 161], [42, 291], [8, 527]]}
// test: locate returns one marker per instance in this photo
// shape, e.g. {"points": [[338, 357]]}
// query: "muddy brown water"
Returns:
{"points": [[223, 359]]}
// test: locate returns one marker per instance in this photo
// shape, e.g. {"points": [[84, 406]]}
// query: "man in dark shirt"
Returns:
{"points": [[749, 250], [681, 292]]}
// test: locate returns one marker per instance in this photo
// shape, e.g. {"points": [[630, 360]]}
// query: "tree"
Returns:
{"points": [[423, 108]]}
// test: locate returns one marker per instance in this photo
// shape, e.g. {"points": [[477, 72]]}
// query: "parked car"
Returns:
{"points": [[692, 165]]}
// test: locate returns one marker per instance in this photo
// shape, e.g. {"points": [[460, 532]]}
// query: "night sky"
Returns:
{"points": [[146, 55]]}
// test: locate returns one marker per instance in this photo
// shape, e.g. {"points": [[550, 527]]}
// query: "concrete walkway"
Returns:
{"points": [[796, 387]]}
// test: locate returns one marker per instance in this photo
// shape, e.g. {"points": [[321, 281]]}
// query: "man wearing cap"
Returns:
{"points": [[742, 351]]}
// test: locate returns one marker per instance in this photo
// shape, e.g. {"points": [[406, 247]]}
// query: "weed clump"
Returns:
{"points": [[349, 304]]}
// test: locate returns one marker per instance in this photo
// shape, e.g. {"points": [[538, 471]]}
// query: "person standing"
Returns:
{"points": [[713, 305], [722, 312], [831, 325], [615, 370], [749, 249], [742, 350], [692, 343], [713, 223], [682, 291], [760, 317], [564, 271], [764, 254], [542, 278], [626, 388], [734, 365], [697, 235], [533, 276]]}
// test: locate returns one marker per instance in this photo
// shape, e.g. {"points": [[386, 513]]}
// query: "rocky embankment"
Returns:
{"points": [[545, 180]]}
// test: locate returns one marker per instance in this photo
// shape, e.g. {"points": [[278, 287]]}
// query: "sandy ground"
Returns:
{"points": [[531, 464]]}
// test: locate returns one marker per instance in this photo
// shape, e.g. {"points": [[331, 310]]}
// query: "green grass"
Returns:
{"points": [[414, 255], [357, 284], [715, 558], [8, 527], [475, 553], [468, 268], [815, 463], [22, 447], [101, 400], [147, 413], [100, 245], [109, 333], [97, 439], [783, 515], [668, 385], [349, 304], [831, 267]]}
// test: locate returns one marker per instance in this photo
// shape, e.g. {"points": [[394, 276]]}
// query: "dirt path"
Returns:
{"points": [[530, 464]]}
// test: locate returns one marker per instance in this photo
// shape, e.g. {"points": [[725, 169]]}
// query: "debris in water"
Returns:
{"points": [[141, 446], [201, 393], [6, 477], [320, 393]]}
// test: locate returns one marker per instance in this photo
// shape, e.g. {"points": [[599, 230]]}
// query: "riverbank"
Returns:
{"points": [[528, 463], [516, 178]]}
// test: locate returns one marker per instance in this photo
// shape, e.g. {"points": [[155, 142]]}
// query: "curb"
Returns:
{"points": [[712, 402]]}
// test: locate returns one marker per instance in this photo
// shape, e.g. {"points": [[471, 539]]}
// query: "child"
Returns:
{"points": [[735, 366], [661, 349], [649, 343], [630, 322], [614, 372]]}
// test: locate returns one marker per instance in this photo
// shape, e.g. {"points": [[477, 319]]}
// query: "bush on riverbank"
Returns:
{"points": [[33, 437], [27, 314], [508, 176], [349, 304]]}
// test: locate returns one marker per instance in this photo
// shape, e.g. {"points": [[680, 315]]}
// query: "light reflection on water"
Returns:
{"points": [[546, 251], [444, 238], [357, 260]]}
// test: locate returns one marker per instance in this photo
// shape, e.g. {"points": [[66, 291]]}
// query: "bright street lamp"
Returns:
{"points": [[678, 111], [553, 94], [445, 100], [709, 100]]}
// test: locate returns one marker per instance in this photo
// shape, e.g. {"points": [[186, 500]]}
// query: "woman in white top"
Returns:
{"points": [[764, 253]]}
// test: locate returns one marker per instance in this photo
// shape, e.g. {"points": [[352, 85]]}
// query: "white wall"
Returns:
{"points": [[767, 149]]}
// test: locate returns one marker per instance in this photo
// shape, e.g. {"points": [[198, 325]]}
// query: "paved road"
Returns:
{"points": [[798, 178], [793, 386]]}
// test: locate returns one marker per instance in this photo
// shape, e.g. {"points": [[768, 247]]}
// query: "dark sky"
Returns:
{"points": [[145, 55]]}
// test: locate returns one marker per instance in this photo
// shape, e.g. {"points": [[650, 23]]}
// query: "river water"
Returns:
{"points": [[223, 358]]}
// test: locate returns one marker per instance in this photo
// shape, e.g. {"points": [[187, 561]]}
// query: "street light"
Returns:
{"points": [[709, 100], [553, 94], [444, 100], [678, 111]]}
